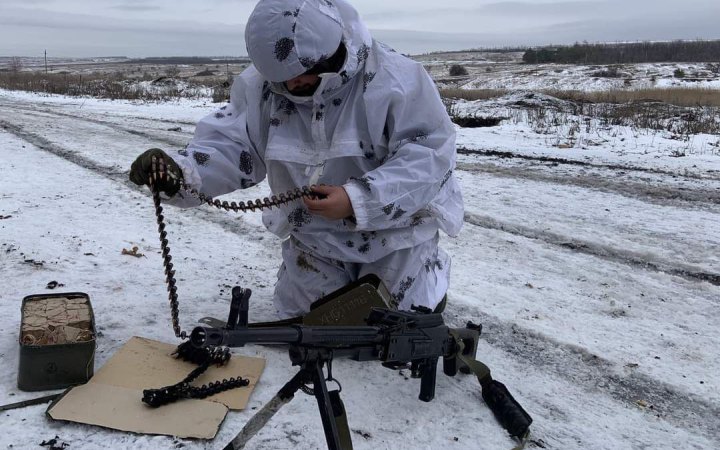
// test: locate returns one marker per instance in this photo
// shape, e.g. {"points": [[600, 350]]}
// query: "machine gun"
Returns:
{"points": [[395, 338]]}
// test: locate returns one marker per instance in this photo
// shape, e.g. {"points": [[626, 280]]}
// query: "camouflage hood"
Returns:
{"points": [[285, 38]]}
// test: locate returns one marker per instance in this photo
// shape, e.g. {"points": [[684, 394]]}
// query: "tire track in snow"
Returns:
{"points": [[631, 189], [52, 108], [229, 223], [593, 373], [605, 252], [112, 125], [653, 193]]}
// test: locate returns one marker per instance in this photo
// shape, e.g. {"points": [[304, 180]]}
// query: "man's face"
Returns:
{"points": [[303, 85]]}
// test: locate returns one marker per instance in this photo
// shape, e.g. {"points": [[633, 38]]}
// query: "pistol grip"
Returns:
{"points": [[428, 368]]}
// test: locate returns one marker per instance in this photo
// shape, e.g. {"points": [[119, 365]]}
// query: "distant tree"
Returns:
{"points": [[626, 53], [456, 70], [530, 57], [679, 73]]}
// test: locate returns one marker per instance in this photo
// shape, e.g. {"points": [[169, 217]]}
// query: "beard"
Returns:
{"points": [[305, 90]]}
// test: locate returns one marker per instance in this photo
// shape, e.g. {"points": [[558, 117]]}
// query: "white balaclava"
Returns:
{"points": [[285, 38]]}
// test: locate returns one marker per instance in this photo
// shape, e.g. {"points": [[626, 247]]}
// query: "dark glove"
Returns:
{"points": [[156, 169]]}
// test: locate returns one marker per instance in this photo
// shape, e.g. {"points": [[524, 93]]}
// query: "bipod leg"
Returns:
{"points": [[262, 417], [332, 411]]}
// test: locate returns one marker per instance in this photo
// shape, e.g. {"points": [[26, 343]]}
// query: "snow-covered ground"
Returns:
{"points": [[594, 268], [506, 71]]}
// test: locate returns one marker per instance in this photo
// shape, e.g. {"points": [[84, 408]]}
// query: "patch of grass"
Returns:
{"points": [[115, 86], [672, 96], [472, 94]]}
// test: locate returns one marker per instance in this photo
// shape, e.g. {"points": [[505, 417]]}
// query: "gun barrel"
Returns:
{"points": [[326, 336], [206, 337]]}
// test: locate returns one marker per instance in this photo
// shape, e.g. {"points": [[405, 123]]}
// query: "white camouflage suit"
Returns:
{"points": [[378, 128]]}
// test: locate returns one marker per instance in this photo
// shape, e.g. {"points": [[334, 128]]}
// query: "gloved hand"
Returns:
{"points": [[156, 169]]}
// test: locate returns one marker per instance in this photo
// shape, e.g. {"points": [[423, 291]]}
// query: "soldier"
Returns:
{"points": [[324, 104]]}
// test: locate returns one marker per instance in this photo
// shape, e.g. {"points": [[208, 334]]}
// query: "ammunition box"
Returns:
{"points": [[350, 305], [57, 341]]}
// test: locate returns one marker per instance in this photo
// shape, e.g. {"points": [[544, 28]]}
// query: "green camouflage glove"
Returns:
{"points": [[156, 169]]}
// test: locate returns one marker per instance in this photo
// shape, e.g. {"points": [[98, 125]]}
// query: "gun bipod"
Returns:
{"points": [[332, 410]]}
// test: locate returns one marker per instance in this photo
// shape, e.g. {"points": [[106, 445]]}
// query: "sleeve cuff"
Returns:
{"points": [[190, 173], [357, 200]]}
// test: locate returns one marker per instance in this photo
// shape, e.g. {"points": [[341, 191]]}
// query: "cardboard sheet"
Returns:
{"points": [[112, 398], [120, 409]]}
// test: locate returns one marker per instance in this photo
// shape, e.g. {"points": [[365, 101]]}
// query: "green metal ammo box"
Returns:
{"points": [[57, 341]]}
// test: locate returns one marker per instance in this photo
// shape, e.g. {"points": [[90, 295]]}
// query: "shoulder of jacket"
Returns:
{"points": [[389, 71], [386, 59], [248, 87]]}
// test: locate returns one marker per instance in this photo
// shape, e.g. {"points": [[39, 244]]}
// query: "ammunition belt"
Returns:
{"points": [[170, 280], [209, 356]]}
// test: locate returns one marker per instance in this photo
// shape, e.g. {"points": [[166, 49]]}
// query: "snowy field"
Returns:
{"points": [[506, 71], [594, 268]]}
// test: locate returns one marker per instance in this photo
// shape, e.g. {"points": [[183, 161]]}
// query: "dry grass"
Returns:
{"points": [[99, 85], [673, 96], [472, 94]]}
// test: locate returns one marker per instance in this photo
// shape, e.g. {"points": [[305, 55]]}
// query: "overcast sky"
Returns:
{"points": [[139, 28]]}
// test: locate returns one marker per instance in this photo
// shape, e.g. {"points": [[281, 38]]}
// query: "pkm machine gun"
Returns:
{"points": [[395, 338]]}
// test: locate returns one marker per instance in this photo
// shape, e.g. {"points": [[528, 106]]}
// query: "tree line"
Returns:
{"points": [[621, 53]]}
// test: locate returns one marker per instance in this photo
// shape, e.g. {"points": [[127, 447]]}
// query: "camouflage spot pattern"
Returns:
{"points": [[403, 288], [201, 158], [446, 178], [362, 53], [398, 213], [417, 220], [299, 217], [307, 62], [287, 106], [367, 79], [364, 182], [246, 163], [432, 264], [283, 47]]}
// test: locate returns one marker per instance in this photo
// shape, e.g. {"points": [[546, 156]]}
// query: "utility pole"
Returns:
{"points": [[46, 62]]}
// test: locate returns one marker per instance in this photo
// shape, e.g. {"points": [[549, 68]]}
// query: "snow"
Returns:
{"points": [[580, 77], [593, 267]]}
